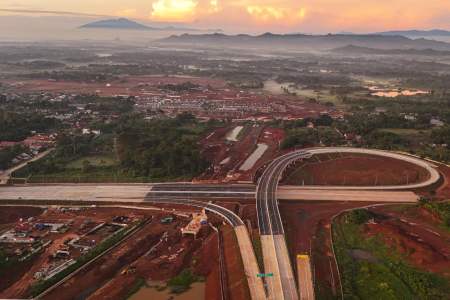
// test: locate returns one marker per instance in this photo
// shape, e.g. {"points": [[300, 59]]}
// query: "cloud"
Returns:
{"points": [[127, 12], [174, 10], [51, 12], [271, 14]]}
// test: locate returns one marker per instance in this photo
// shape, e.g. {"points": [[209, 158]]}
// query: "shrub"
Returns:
{"points": [[185, 278], [359, 216]]}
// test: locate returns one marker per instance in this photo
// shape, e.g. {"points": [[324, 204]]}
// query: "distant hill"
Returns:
{"points": [[123, 23], [352, 49], [294, 42], [435, 32]]}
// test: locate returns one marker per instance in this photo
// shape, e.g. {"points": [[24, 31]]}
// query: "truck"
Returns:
{"points": [[61, 254]]}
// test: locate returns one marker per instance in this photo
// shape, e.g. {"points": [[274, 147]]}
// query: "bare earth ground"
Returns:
{"points": [[117, 86], [412, 231], [109, 266], [12, 215], [216, 150], [356, 170], [307, 226], [236, 278]]}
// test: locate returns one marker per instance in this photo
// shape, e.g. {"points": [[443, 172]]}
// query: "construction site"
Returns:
{"points": [[237, 151], [165, 244], [160, 240]]}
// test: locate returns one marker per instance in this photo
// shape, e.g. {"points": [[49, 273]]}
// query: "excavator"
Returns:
{"points": [[129, 270], [63, 247]]}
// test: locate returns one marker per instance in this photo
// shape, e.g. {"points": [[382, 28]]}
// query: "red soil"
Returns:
{"points": [[307, 224], [133, 251], [444, 190], [13, 214], [357, 170], [426, 246], [117, 86], [236, 280], [208, 266]]}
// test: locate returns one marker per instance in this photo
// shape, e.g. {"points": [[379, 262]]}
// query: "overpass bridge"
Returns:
{"points": [[276, 256]]}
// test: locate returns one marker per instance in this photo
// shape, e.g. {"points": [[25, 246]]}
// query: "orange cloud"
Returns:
{"points": [[280, 15], [127, 12], [174, 10]]}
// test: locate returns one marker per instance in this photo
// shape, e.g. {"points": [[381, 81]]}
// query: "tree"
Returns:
{"points": [[441, 151], [432, 193], [359, 216], [86, 166]]}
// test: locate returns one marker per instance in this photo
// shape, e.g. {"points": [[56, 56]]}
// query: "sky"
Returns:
{"points": [[234, 16]]}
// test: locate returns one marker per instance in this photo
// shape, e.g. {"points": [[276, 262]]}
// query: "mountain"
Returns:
{"points": [[352, 49], [435, 32], [305, 42], [123, 23]]}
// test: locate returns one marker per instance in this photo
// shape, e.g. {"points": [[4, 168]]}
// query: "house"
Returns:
{"points": [[23, 228], [436, 122], [16, 160], [25, 156], [81, 124], [350, 136], [32, 139], [309, 124], [410, 118], [7, 144], [88, 131], [37, 146]]}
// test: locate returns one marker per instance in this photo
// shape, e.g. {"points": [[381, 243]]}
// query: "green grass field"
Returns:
{"points": [[95, 161]]}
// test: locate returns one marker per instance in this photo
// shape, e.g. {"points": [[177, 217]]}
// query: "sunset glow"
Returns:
{"points": [[309, 16]]}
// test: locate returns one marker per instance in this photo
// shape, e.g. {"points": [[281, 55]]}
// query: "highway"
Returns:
{"points": [[276, 256], [202, 191]]}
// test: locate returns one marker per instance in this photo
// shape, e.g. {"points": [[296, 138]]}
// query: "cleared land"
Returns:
{"points": [[352, 169], [393, 257], [200, 254]]}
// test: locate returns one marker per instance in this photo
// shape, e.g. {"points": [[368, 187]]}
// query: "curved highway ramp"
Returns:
{"points": [[276, 256]]}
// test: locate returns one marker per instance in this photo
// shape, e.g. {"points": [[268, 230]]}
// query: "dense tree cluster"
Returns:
{"points": [[159, 150], [314, 81], [7, 154], [15, 128], [78, 76]]}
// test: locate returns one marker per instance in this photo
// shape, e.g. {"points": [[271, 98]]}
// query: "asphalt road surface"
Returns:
{"points": [[269, 219]]}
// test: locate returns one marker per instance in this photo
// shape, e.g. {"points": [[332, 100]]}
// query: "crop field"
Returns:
{"points": [[355, 170]]}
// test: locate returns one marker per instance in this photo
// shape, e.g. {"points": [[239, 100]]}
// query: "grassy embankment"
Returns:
{"points": [[392, 277]]}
